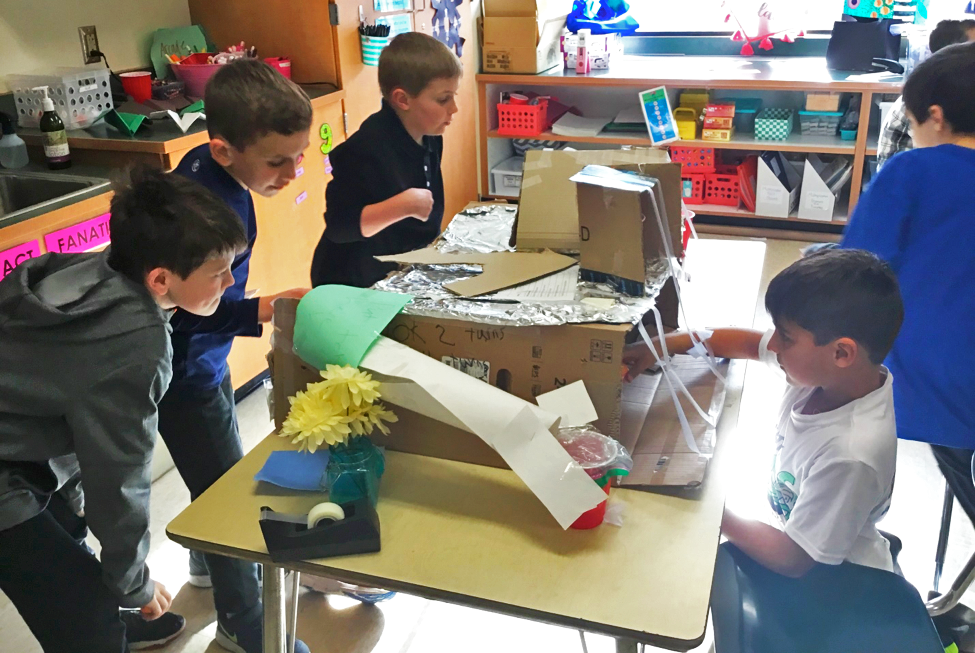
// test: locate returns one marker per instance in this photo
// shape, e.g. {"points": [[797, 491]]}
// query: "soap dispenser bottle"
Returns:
{"points": [[55, 138], [13, 150]]}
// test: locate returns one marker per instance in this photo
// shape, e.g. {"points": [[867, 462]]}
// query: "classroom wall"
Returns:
{"points": [[37, 34]]}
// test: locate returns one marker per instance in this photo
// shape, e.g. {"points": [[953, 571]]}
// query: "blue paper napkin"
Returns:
{"points": [[295, 470]]}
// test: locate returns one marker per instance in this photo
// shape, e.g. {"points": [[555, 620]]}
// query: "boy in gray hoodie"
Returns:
{"points": [[85, 356]]}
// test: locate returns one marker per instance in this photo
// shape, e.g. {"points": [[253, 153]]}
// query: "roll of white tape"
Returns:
{"points": [[322, 511]]}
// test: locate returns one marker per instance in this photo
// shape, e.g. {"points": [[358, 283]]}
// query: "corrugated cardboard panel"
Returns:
{"points": [[548, 214]]}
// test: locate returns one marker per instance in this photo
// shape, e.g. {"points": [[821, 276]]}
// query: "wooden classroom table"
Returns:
{"points": [[476, 536]]}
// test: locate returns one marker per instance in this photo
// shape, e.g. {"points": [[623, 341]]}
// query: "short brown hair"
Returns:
{"points": [[247, 99], [164, 220], [412, 60]]}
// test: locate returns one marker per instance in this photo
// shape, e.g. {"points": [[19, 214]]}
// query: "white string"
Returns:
{"points": [[675, 274]]}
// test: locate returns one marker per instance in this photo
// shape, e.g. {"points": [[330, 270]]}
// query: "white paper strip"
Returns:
{"points": [[519, 431]]}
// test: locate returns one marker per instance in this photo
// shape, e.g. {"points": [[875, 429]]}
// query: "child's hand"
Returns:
{"points": [[265, 309], [417, 203], [159, 605], [637, 358]]}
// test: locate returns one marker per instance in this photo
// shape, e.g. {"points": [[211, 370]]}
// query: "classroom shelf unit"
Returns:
{"points": [[778, 81]]}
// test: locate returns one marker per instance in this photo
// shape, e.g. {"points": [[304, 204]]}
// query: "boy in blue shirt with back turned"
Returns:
{"points": [[919, 216]]}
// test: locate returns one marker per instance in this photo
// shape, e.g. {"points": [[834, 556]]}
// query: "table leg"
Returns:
{"points": [[274, 609], [626, 645], [293, 617]]}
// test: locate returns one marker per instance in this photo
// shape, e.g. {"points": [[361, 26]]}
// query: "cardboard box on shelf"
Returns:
{"points": [[618, 220], [522, 36], [548, 214]]}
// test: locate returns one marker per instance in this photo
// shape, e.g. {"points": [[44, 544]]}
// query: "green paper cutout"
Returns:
{"points": [[127, 123], [336, 325], [180, 41], [195, 107]]}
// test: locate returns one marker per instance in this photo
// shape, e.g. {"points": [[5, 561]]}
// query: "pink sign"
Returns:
{"points": [[81, 237], [11, 258]]}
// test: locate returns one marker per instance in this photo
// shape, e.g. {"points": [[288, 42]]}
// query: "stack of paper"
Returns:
{"points": [[573, 125], [558, 287]]}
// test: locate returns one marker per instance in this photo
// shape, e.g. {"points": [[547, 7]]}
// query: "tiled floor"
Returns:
{"points": [[412, 625]]}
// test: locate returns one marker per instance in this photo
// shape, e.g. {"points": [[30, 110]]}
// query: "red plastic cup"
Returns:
{"points": [[138, 85], [594, 517]]}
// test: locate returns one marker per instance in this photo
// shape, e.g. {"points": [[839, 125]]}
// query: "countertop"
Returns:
{"points": [[162, 136]]}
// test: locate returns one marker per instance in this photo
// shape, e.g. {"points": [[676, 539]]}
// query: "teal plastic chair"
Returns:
{"points": [[843, 608]]}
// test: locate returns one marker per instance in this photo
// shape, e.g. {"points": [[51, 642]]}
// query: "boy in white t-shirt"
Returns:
{"points": [[836, 315]]}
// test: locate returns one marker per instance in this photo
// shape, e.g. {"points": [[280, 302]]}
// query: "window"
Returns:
{"points": [[707, 16]]}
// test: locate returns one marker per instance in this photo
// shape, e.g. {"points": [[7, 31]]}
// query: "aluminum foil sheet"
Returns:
{"points": [[480, 229], [488, 229]]}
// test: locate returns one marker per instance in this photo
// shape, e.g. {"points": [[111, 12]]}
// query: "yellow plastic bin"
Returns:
{"points": [[686, 120]]}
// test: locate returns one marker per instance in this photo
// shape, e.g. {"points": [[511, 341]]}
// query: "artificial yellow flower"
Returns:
{"points": [[332, 410]]}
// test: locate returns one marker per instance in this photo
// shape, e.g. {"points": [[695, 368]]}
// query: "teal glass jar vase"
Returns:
{"points": [[353, 471]]}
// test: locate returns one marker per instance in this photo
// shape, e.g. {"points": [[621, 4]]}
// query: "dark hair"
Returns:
{"points": [[247, 99], [840, 293], [946, 79], [412, 60], [949, 32], [167, 221]]}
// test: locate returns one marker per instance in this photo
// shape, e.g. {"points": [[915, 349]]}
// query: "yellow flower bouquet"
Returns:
{"points": [[338, 412]]}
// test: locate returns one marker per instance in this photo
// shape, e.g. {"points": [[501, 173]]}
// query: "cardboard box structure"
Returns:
{"points": [[522, 36], [527, 361], [548, 212], [618, 226]]}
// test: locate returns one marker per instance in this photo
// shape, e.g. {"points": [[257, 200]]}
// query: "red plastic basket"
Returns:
{"points": [[694, 159], [723, 186], [522, 119], [692, 188]]}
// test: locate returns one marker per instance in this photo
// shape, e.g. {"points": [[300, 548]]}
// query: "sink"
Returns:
{"points": [[39, 192]]}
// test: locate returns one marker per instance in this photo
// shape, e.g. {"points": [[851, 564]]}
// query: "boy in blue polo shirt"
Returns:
{"points": [[259, 125]]}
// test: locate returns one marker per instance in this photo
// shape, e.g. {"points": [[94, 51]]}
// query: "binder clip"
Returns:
{"points": [[329, 530]]}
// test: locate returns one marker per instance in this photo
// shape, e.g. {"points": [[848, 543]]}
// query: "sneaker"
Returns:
{"points": [[142, 634], [199, 574], [369, 595], [247, 637]]}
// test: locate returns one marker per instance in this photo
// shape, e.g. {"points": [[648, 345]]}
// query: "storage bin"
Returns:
{"points": [[523, 119], [686, 119], [722, 186], [822, 101], [746, 109], [692, 188], [848, 134], [774, 124], [820, 122], [81, 96], [694, 159], [195, 72], [694, 99], [507, 176]]}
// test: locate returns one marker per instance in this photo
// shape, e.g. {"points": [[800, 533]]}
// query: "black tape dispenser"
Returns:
{"points": [[327, 531]]}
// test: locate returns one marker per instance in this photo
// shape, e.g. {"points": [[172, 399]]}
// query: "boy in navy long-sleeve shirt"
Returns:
{"points": [[259, 125], [386, 195]]}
